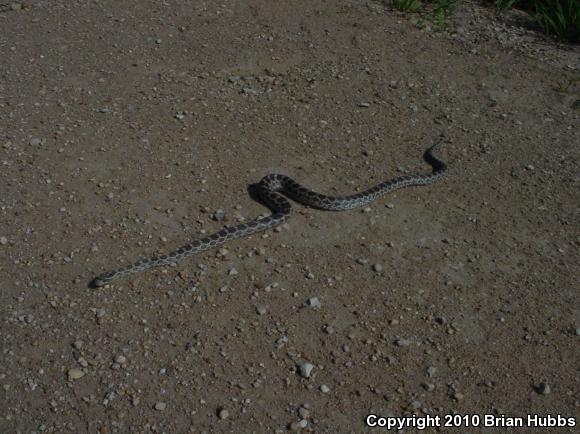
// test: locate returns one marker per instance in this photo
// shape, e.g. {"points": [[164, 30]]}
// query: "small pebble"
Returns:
{"points": [[403, 342], [305, 369], [120, 359], [261, 310], [324, 388], [160, 406], [75, 374], [280, 342], [429, 387], [219, 215], [377, 268], [362, 261], [297, 426], [250, 91], [223, 414], [36, 141], [543, 389], [328, 329], [3, 241], [314, 302], [415, 404]]}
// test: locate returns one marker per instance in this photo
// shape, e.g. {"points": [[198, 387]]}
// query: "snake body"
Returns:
{"points": [[269, 191]]}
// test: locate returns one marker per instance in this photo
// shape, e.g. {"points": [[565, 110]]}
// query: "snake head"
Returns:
{"points": [[101, 280]]}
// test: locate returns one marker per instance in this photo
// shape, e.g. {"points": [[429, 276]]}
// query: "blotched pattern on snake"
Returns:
{"points": [[269, 191]]}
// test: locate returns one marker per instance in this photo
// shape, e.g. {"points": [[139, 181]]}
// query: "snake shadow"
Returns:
{"points": [[252, 191]]}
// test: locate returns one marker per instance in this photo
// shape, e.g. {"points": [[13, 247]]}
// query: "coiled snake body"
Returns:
{"points": [[269, 191]]}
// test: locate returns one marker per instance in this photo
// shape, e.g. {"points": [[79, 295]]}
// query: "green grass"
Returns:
{"points": [[559, 18], [503, 5], [405, 5], [442, 10]]}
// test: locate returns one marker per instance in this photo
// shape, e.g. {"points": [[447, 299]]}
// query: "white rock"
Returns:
{"points": [[306, 369], [75, 374], [297, 426], [403, 342], [36, 141], [314, 302]]}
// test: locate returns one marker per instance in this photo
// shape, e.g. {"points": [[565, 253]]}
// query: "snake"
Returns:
{"points": [[271, 191]]}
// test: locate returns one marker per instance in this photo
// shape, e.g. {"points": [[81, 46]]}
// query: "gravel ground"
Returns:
{"points": [[128, 129]]}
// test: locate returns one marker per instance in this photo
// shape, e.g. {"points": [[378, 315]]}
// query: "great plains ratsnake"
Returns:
{"points": [[268, 192]]}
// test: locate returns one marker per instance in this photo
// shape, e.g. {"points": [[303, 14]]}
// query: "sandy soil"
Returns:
{"points": [[125, 125]]}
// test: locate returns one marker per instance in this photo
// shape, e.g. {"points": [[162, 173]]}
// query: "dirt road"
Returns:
{"points": [[126, 125]]}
